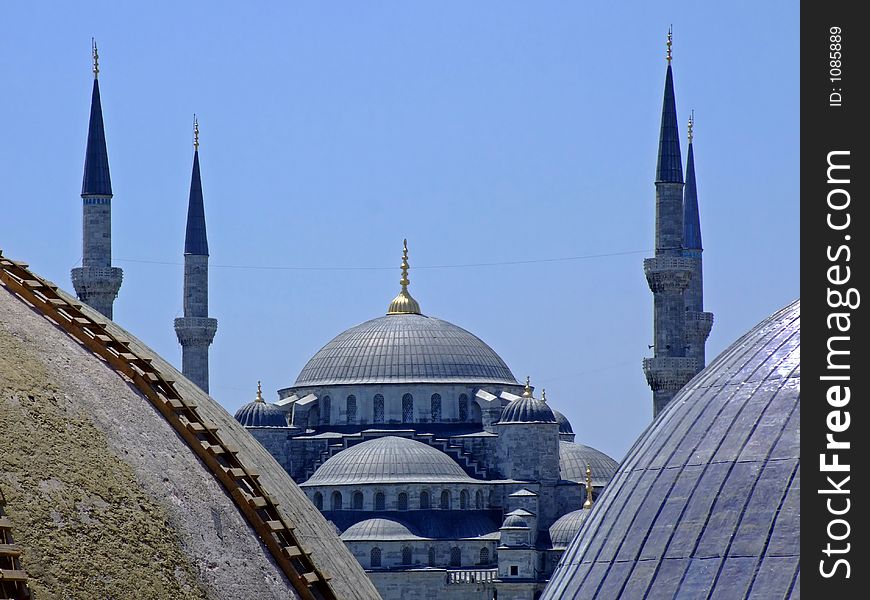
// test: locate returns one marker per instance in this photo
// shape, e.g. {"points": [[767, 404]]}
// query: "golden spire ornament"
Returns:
{"points": [[195, 133], [588, 503], [259, 397], [543, 395], [691, 126], [527, 392], [404, 304], [96, 57], [670, 43]]}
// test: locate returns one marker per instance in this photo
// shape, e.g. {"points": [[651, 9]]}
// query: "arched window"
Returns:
{"points": [[336, 500], [436, 408], [406, 555], [351, 409], [380, 503], [407, 408], [318, 501], [424, 500], [357, 500], [313, 417], [484, 556], [378, 410], [463, 499], [463, 407], [403, 501], [375, 557], [326, 413], [478, 500], [455, 556], [445, 500], [431, 556]]}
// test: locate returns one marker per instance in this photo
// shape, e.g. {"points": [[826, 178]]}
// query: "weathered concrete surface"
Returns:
{"points": [[108, 502]]}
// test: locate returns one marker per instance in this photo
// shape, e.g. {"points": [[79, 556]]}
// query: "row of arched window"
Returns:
{"points": [[444, 501], [376, 556], [378, 408]]}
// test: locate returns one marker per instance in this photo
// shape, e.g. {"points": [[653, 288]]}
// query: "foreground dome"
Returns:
{"points": [[405, 348], [388, 459], [573, 459], [707, 502]]}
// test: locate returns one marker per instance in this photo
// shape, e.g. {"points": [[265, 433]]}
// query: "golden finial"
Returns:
{"points": [[259, 397], [96, 56], [195, 133], [527, 392], [588, 503], [691, 126], [543, 395], [404, 304], [670, 43]]}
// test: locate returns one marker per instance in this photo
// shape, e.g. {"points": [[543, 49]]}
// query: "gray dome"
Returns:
{"points": [[564, 424], [566, 527], [707, 502], [573, 459], [261, 414], [388, 459], [527, 410], [378, 530], [515, 521], [405, 348]]}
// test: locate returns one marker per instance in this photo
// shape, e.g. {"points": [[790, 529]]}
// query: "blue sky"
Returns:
{"points": [[484, 132]]}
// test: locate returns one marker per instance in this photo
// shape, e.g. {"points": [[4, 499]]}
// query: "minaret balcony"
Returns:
{"points": [[194, 331], [669, 373], [668, 274], [97, 280], [699, 324]]}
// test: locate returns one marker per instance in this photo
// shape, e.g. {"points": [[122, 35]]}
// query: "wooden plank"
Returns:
{"points": [[10, 550], [5, 522], [12, 575], [275, 525]]}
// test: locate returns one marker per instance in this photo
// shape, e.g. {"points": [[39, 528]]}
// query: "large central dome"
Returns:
{"points": [[405, 348]]}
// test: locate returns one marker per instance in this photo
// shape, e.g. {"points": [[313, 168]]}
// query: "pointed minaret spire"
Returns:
{"points": [[669, 272], [691, 216], [195, 330], [97, 282]]}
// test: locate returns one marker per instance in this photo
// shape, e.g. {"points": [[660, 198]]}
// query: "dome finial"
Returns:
{"points": [[670, 43], [259, 397], [543, 395], [692, 126], [588, 503], [96, 56], [195, 133], [527, 392], [404, 304]]}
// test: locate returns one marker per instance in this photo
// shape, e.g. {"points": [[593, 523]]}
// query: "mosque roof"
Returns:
{"points": [[566, 527], [259, 413], [564, 423], [514, 521], [573, 459], [425, 524], [707, 502], [389, 459], [379, 529], [527, 409]]}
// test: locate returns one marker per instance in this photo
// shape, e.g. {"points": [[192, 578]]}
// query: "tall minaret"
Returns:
{"points": [[97, 282], [669, 273], [698, 322], [195, 330]]}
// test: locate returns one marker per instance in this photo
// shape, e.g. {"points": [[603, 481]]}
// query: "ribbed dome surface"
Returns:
{"points": [[405, 348], [527, 410], [378, 530], [515, 521], [261, 414], [573, 459], [707, 502], [564, 423], [388, 459], [566, 527]]}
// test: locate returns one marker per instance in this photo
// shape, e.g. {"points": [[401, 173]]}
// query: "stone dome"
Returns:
{"points": [[388, 459], [573, 459], [515, 521], [564, 423], [707, 502], [566, 527], [379, 530], [527, 409], [259, 413], [405, 348]]}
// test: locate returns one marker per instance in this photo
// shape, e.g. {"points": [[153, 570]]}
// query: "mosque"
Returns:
{"points": [[446, 477]]}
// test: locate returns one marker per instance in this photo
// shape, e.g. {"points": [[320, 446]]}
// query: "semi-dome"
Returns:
{"points": [[259, 413], [527, 409], [566, 527], [388, 459], [405, 348], [573, 459], [379, 530], [707, 502], [564, 423]]}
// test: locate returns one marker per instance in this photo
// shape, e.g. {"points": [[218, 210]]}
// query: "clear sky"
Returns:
{"points": [[484, 132]]}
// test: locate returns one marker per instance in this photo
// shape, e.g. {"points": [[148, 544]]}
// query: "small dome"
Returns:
{"points": [[564, 424], [566, 527], [707, 502], [527, 409], [260, 413], [573, 459], [514, 521], [388, 459], [379, 530]]}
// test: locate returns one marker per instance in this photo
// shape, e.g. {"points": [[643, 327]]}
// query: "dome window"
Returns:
{"points": [[424, 500], [463, 500], [378, 409], [432, 561], [407, 557], [455, 556], [326, 413], [336, 501], [463, 407], [351, 409], [407, 408], [380, 503], [436, 408], [403, 501], [445, 500], [484, 556], [375, 557], [357, 501], [318, 501]]}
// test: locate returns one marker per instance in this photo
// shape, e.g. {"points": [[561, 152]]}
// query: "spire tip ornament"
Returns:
{"points": [[588, 503], [96, 56], [259, 397], [670, 43], [692, 126], [195, 133], [527, 392], [404, 303]]}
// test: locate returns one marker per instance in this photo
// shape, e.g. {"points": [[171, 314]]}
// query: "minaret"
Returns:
{"points": [[97, 282], [195, 330], [698, 322], [669, 273]]}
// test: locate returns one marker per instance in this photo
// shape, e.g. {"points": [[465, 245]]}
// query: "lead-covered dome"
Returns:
{"points": [[573, 459], [566, 527], [259, 413], [379, 530], [405, 348], [388, 459], [707, 502]]}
